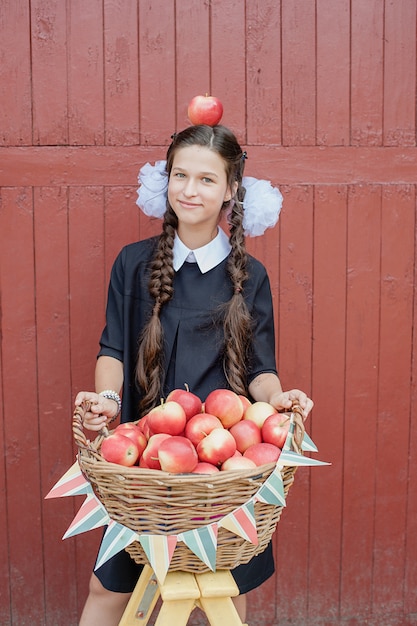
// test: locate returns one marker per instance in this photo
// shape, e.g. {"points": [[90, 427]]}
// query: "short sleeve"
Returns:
{"points": [[111, 341]]}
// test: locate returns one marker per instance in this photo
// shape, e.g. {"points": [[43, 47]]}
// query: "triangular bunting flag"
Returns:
{"points": [[272, 491], [115, 539], [72, 483], [292, 458], [203, 542], [92, 514], [242, 522], [159, 550], [308, 445]]}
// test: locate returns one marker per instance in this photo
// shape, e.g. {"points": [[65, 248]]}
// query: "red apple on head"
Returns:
{"points": [[131, 430], [218, 446], [226, 405], [119, 449], [177, 455], [205, 468], [168, 418], [238, 463], [150, 453], [205, 110], [275, 429], [246, 433], [200, 425], [189, 401], [262, 453], [258, 412]]}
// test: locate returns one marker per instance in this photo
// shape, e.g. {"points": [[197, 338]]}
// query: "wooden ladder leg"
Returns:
{"points": [[179, 594], [142, 601], [216, 592]]}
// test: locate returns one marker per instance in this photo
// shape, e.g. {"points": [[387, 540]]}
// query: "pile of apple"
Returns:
{"points": [[183, 435]]}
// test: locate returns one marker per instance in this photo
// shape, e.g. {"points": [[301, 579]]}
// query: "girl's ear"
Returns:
{"points": [[231, 192]]}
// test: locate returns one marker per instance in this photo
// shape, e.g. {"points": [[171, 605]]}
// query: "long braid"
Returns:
{"points": [[150, 356]]}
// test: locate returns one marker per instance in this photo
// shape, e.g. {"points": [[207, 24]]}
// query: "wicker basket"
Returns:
{"points": [[159, 503]]}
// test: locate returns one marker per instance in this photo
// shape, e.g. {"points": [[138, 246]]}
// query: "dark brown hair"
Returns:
{"points": [[236, 317]]}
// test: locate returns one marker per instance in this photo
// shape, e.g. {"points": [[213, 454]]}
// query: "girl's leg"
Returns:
{"points": [[240, 606], [103, 607]]}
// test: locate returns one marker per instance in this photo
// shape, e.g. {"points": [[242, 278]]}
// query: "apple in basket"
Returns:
{"points": [[131, 430], [177, 455], [168, 417], [118, 448], [205, 468], [218, 446], [150, 454], [262, 453], [226, 405], [200, 425], [238, 463], [258, 412], [275, 429], [189, 401], [246, 433]]}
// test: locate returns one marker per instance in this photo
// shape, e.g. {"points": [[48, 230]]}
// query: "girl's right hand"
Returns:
{"points": [[101, 409]]}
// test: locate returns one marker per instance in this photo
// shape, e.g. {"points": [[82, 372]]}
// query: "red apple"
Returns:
{"points": [[245, 401], [119, 449], [275, 429], [150, 453], [258, 412], [131, 430], [200, 425], [205, 110], [238, 463], [218, 446], [168, 417], [205, 468], [144, 426], [177, 455], [246, 433], [226, 405], [189, 401], [262, 453]]}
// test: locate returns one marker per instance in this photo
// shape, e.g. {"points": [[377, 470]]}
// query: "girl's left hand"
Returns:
{"points": [[285, 400]]}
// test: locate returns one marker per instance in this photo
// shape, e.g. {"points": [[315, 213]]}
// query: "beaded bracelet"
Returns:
{"points": [[112, 395]]}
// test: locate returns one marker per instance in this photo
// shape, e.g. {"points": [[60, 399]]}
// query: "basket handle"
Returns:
{"points": [[77, 426], [299, 428]]}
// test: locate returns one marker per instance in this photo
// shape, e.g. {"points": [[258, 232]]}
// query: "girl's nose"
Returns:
{"points": [[190, 187]]}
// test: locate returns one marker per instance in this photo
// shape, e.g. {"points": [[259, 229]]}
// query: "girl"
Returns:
{"points": [[190, 306]]}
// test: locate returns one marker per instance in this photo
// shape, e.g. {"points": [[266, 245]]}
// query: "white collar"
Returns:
{"points": [[206, 257]]}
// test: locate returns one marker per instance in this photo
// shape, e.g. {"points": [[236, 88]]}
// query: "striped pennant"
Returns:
{"points": [[308, 445], [272, 491], [159, 550], [203, 543], [292, 458], [115, 539], [242, 522], [92, 514], [72, 483]]}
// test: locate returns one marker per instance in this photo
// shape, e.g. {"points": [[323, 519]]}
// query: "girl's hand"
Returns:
{"points": [[101, 409], [285, 399]]}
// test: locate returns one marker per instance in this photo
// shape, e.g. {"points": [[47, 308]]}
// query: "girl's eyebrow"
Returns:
{"points": [[177, 168]]}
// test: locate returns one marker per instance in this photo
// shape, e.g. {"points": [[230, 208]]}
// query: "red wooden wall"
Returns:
{"points": [[322, 93]]}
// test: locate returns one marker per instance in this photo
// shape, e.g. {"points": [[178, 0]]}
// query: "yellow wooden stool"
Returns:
{"points": [[181, 593]]}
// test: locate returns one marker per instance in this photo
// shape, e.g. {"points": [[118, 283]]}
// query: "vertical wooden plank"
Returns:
{"points": [[333, 72], [294, 365], [399, 73], [298, 73], [263, 77], [87, 287], [367, 72], [362, 343], [228, 62], [397, 285], [16, 103], [121, 67], [326, 424], [85, 72], [157, 71], [52, 317], [49, 72], [192, 48], [21, 434]]}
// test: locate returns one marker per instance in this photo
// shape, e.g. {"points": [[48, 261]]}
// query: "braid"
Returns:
{"points": [[237, 322], [150, 356]]}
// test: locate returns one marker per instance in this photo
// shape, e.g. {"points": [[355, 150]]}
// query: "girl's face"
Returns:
{"points": [[197, 189]]}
